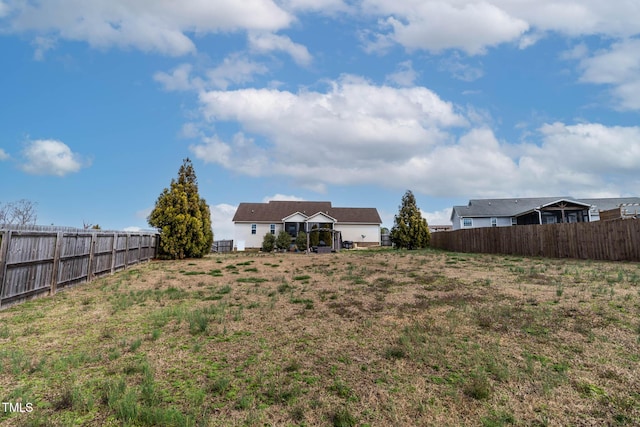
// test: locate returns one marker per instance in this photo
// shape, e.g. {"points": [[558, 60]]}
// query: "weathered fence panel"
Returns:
{"points": [[222, 246], [37, 261], [617, 240]]}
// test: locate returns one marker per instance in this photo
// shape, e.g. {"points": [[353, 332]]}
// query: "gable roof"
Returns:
{"points": [[479, 208], [276, 211]]}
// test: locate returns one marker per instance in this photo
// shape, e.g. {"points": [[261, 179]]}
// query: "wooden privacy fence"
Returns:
{"points": [[43, 260], [222, 246], [617, 240]]}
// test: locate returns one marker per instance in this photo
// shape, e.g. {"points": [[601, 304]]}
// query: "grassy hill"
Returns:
{"points": [[349, 339]]}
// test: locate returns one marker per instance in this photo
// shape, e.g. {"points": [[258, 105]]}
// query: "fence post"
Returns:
{"points": [[126, 253], [4, 252], [92, 251], [56, 263], [113, 252]]}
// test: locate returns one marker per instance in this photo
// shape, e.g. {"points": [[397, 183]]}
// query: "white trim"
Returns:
{"points": [[313, 219]]}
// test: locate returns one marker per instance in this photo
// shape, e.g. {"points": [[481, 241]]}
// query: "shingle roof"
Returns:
{"points": [[275, 211], [511, 207]]}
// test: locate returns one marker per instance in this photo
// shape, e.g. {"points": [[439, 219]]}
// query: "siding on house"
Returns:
{"points": [[482, 210], [353, 223]]}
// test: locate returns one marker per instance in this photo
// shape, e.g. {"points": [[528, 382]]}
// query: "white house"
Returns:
{"points": [[538, 210], [253, 220]]}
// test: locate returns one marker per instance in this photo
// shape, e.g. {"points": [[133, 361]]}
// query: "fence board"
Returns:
{"points": [[42, 260], [617, 240]]}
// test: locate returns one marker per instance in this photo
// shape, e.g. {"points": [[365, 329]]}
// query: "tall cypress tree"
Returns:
{"points": [[183, 218], [410, 230]]}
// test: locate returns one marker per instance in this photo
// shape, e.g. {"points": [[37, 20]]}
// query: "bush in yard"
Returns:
{"points": [[314, 236], [183, 218], [268, 242], [283, 241], [410, 230], [327, 237], [301, 241]]}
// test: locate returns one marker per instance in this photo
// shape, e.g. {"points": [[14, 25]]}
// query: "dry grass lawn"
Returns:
{"points": [[351, 339]]}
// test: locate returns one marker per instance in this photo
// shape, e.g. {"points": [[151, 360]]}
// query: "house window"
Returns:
{"points": [[514, 221], [494, 222], [273, 229], [254, 228], [467, 222]]}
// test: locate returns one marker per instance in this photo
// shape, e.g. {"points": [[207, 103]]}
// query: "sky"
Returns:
{"points": [[350, 101]]}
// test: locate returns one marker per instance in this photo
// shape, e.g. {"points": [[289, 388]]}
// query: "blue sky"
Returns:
{"points": [[341, 100]]}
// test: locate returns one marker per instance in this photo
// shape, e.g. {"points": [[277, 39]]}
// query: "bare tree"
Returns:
{"points": [[22, 212]]}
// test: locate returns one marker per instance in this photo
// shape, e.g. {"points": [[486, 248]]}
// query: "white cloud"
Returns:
{"points": [[441, 217], [475, 25], [577, 151], [42, 45], [459, 69], [618, 66], [3, 155], [359, 133], [269, 42], [347, 130], [178, 79], [471, 26], [282, 197], [405, 75], [132, 229], [221, 216], [159, 25], [235, 69], [322, 6], [50, 157]]}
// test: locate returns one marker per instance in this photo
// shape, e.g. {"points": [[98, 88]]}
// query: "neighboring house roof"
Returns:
{"points": [[478, 208], [276, 211]]}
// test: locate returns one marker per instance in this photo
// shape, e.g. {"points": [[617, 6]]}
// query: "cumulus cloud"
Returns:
{"points": [[158, 26], [619, 67], [235, 69], [405, 75], [350, 127], [460, 69], [435, 25], [360, 133], [322, 6], [221, 216], [441, 217], [269, 42], [50, 157], [179, 79]]}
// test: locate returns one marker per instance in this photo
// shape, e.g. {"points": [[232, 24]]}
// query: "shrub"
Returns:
{"points": [[283, 241], [301, 241], [268, 242]]}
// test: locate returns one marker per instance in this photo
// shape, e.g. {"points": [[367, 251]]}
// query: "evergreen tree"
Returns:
{"points": [[410, 230], [183, 218]]}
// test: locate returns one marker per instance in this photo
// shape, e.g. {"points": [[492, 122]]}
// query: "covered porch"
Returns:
{"points": [[558, 212]]}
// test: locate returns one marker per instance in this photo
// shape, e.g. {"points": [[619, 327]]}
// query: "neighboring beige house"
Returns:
{"points": [[253, 220]]}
